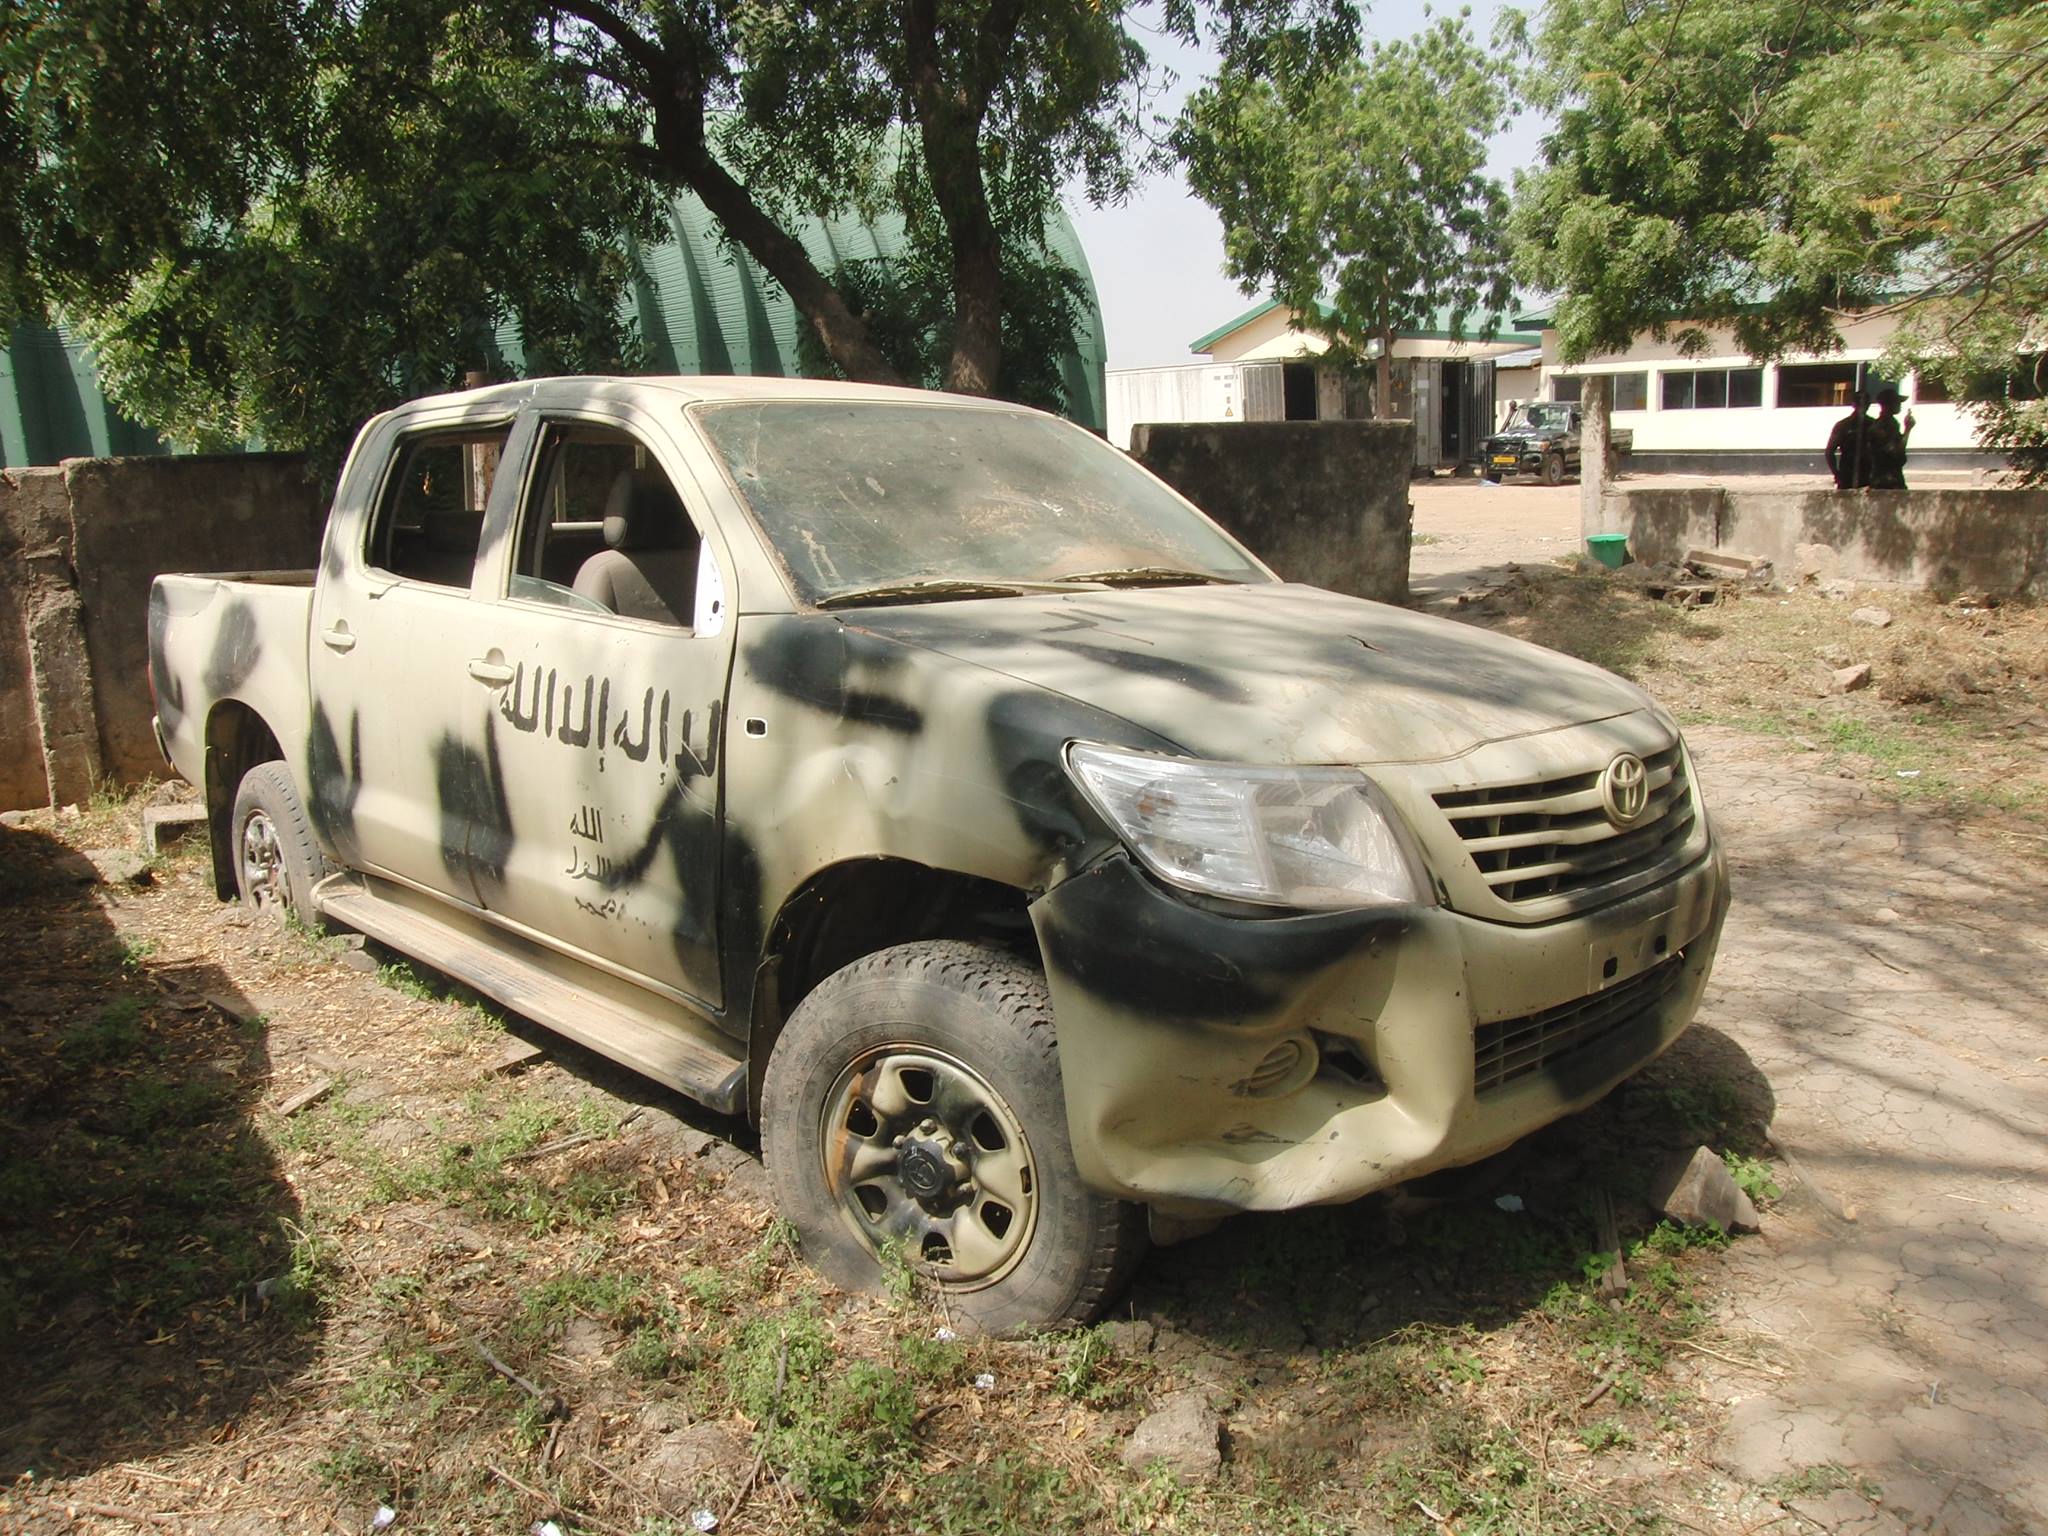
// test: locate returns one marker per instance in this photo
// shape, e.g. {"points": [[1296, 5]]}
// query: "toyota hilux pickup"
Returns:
{"points": [[1541, 439], [922, 778]]}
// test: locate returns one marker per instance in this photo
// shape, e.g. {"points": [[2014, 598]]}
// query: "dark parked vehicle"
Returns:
{"points": [[1540, 439]]}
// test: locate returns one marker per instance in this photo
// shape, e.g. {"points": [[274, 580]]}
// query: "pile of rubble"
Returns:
{"points": [[1704, 576]]}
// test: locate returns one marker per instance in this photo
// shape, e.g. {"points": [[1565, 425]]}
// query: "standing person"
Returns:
{"points": [[1848, 452], [1888, 444]]}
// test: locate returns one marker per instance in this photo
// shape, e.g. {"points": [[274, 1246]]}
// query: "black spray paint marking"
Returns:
{"points": [[588, 722], [590, 866]]}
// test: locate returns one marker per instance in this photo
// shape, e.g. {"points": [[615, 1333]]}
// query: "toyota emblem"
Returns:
{"points": [[1625, 789]]}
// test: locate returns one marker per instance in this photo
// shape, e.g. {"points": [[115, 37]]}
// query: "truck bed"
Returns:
{"points": [[234, 636]]}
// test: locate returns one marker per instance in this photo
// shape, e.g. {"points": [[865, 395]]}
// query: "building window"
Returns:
{"points": [[1711, 389], [1811, 384], [1631, 391]]}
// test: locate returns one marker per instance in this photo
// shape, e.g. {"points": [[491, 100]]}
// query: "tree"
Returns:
{"points": [[1357, 193], [1771, 165], [233, 200]]}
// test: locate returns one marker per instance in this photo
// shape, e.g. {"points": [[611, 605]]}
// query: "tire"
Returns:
{"points": [[934, 1064], [277, 860], [1553, 468]]}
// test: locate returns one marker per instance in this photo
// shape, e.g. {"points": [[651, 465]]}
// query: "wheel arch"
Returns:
{"points": [[855, 907], [237, 739]]}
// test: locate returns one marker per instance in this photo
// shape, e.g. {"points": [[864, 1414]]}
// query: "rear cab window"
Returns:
{"points": [[429, 520]]}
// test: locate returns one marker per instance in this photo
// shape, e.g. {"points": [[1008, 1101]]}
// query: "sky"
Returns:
{"points": [[1158, 257]]}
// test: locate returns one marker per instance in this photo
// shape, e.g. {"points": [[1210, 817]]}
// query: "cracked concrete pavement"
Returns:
{"points": [[1883, 969]]}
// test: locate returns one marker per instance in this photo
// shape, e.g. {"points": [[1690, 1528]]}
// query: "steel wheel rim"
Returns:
{"points": [[263, 862], [920, 1149]]}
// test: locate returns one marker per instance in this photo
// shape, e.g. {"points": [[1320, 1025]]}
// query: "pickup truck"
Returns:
{"points": [[920, 777], [1541, 438]]}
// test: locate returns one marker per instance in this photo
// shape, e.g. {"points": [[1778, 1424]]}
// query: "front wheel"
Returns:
{"points": [[913, 1105], [1553, 468]]}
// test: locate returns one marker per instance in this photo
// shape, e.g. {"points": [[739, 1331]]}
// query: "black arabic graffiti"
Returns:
{"points": [[594, 867], [532, 709]]}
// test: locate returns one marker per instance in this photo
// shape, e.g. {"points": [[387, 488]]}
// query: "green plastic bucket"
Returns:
{"points": [[1610, 549]]}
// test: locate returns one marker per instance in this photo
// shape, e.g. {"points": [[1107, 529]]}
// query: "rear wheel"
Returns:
{"points": [[1553, 468], [277, 859], [913, 1107]]}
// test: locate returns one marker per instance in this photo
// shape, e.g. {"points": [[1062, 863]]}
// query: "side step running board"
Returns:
{"points": [[595, 1015]]}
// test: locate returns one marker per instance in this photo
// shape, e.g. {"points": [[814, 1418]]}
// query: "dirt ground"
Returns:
{"points": [[486, 1296]]}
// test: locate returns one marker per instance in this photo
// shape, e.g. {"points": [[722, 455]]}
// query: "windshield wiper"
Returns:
{"points": [[936, 590], [1149, 576]]}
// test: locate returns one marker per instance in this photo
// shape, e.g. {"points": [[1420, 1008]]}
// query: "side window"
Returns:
{"points": [[431, 517], [603, 530]]}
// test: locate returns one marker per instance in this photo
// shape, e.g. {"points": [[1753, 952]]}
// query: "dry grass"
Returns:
{"points": [[1956, 713], [1383, 1367]]}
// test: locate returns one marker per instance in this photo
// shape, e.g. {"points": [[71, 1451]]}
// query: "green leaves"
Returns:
{"points": [[1769, 165], [1355, 188]]}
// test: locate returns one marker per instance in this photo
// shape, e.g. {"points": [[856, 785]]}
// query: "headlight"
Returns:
{"points": [[1320, 838]]}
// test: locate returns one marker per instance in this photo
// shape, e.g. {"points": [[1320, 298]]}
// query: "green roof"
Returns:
{"points": [[1436, 328], [700, 310]]}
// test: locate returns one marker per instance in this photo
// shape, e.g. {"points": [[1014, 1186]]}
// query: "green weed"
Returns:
{"points": [[1753, 1176], [833, 1430], [1012, 1495], [114, 1032], [1818, 1482], [1605, 1434]]}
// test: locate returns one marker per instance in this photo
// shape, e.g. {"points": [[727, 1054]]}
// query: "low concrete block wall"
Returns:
{"points": [[79, 545], [1979, 540], [1324, 502]]}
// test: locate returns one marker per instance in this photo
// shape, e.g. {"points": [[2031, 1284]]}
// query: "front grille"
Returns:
{"points": [[1552, 837], [1514, 1048]]}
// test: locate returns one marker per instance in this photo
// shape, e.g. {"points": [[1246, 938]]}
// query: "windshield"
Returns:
{"points": [[1543, 417], [954, 501]]}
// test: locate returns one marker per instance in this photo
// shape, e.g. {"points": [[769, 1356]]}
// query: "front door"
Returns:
{"points": [[397, 778], [608, 659]]}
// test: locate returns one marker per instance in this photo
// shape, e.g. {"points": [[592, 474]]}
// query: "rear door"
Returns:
{"points": [[398, 754], [606, 729]]}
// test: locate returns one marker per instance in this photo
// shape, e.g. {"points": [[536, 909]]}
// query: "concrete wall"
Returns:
{"points": [[1992, 541], [1324, 502], [79, 545]]}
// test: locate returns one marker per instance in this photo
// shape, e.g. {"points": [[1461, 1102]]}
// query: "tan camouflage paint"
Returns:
{"points": [[933, 736]]}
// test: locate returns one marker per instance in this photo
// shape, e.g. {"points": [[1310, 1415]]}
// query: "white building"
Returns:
{"points": [[1723, 412], [1261, 367]]}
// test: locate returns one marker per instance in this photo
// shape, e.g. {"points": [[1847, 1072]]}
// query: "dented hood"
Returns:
{"points": [[1270, 673]]}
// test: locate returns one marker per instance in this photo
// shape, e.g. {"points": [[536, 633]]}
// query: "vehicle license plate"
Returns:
{"points": [[1503, 458]]}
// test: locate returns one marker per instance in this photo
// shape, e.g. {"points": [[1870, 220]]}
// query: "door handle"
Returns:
{"points": [[494, 673], [337, 637]]}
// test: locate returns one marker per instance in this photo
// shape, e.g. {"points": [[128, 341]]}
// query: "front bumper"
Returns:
{"points": [[1514, 459], [1217, 1063]]}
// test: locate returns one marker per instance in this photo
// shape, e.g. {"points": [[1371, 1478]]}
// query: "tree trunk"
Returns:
{"points": [[1383, 380], [842, 333], [953, 161], [1596, 455], [677, 95], [949, 121]]}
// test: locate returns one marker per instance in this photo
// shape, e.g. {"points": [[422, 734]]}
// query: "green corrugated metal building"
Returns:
{"points": [[699, 311]]}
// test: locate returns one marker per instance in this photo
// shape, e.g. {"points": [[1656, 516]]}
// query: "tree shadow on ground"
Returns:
{"points": [[1443, 1251], [140, 1213]]}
